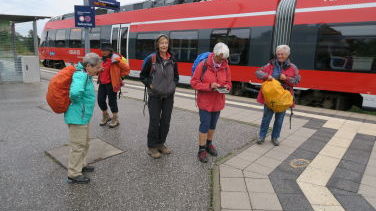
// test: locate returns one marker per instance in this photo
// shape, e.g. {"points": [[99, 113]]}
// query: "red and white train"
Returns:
{"points": [[333, 42]]}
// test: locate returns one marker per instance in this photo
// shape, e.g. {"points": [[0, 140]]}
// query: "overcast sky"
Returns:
{"points": [[42, 8]]}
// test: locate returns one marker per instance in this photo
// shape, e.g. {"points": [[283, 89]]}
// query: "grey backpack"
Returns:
{"points": [[162, 77]]}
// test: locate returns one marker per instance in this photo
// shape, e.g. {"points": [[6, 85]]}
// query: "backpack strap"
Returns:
{"points": [[204, 68], [153, 63], [87, 79], [154, 58]]}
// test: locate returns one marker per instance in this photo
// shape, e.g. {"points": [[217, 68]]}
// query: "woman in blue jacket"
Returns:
{"points": [[78, 115]]}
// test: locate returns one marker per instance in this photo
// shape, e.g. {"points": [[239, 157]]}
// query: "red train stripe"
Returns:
{"points": [[324, 14], [312, 79], [199, 9]]}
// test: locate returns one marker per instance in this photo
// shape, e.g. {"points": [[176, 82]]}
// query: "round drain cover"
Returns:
{"points": [[299, 163]]}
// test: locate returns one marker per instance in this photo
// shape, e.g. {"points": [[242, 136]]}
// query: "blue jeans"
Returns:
{"points": [[208, 120], [266, 118]]}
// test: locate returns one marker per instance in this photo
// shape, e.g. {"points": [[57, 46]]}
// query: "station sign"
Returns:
{"points": [[106, 4], [84, 16]]}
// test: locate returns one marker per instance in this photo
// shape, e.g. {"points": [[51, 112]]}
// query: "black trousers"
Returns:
{"points": [[160, 110], [104, 91]]}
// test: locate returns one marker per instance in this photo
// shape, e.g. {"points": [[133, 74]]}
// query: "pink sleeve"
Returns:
{"points": [[261, 73], [295, 79]]}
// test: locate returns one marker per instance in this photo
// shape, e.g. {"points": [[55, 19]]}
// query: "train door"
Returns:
{"points": [[124, 40], [115, 37], [119, 38]]}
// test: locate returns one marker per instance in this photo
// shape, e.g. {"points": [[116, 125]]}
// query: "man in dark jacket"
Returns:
{"points": [[160, 75]]}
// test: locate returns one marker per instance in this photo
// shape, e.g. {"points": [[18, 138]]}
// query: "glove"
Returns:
{"points": [[115, 59]]}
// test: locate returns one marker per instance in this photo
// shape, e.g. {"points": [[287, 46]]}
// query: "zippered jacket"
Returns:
{"points": [[82, 96]]}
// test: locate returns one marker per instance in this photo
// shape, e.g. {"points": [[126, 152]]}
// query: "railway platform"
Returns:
{"points": [[326, 161]]}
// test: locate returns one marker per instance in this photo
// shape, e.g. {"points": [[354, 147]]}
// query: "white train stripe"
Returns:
{"points": [[337, 7]]}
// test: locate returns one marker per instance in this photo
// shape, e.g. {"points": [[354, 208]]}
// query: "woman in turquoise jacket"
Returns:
{"points": [[78, 116]]}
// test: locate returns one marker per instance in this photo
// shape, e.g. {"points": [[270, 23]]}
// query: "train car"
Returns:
{"points": [[333, 42]]}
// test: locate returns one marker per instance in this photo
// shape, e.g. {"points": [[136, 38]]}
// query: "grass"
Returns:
{"points": [[356, 109]]}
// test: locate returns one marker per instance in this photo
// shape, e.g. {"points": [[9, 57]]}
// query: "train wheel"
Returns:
{"points": [[50, 63], [236, 89], [59, 65]]}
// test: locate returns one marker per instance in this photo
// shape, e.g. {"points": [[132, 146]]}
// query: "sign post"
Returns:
{"points": [[85, 16]]}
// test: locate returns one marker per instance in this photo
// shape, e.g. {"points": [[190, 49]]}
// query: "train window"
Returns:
{"points": [[94, 35], [260, 50], [60, 38], [218, 35], [51, 37], [115, 37], [304, 39], [184, 45], [75, 38], [238, 42], [106, 34], [124, 41], [145, 44], [346, 48], [44, 38]]}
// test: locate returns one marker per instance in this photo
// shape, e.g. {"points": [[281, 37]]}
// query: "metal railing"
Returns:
{"points": [[15, 41]]}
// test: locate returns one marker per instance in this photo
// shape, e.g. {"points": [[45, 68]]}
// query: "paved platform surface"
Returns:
{"points": [[327, 161], [31, 180]]}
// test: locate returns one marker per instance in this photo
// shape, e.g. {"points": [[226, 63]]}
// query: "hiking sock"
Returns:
{"points": [[208, 142], [201, 148]]}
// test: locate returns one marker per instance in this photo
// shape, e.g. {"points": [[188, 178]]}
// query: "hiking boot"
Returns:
{"points": [[202, 156], [260, 140], [105, 119], [154, 153], [211, 150], [88, 169], [164, 150], [114, 121], [81, 179], [275, 142]]}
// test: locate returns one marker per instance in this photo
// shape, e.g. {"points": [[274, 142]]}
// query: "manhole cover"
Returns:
{"points": [[98, 150], [299, 163]]}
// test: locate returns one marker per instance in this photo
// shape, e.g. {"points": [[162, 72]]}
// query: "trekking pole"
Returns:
{"points": [[145, 101], [291, 113]]}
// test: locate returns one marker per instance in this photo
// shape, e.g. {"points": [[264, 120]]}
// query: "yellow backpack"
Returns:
{"points": [[276, 97]]}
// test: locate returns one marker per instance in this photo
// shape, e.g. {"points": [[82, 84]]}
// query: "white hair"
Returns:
{"points": [[92, 59], [284, 48], [221, 48]]}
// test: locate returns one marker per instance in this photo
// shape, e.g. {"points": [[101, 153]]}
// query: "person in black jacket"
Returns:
{"points": [[160, 76]]}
